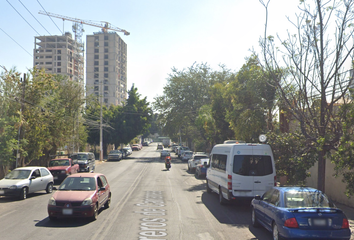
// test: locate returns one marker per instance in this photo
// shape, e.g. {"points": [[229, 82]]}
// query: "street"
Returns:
{"points": [[148, 202]]}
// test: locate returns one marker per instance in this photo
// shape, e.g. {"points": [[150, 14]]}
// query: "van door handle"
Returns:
{"points": [[257, 182]]}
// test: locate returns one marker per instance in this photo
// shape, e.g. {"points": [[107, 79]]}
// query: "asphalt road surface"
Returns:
{"points": [[148, 202]]}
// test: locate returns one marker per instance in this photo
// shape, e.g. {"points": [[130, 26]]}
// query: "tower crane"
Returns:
{"points": [[105, 26]]}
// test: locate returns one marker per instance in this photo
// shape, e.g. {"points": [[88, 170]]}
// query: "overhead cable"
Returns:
{"points": [[34, 17], [16, 42], [23, 17], [49, 16]]}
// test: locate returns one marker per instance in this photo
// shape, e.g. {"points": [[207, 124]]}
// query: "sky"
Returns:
{"points": [[164, 34]]}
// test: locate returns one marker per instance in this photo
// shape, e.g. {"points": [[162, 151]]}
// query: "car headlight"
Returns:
{"points": [[13, 187], [86, 202], [52, 201]]}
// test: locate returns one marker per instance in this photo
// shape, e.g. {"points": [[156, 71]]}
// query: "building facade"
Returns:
{"points": [[106, 67], [60, 55]]}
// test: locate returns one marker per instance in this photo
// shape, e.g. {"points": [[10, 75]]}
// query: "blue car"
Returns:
{"points": [[298, 213]]}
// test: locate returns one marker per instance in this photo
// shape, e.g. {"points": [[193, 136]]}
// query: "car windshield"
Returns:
{"points": [[18, 174], [114, 151], [306, 199], [54, 163], [78, 184], [79, 157]]}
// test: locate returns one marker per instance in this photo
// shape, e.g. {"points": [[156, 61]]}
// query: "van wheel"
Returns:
{"points": [[222, 200], [207, 187]]}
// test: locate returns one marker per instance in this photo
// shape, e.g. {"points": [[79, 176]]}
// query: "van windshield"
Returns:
{"points": [[252, 165]]}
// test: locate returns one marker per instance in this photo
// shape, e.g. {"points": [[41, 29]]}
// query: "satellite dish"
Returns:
{"points": [[262, 138]]}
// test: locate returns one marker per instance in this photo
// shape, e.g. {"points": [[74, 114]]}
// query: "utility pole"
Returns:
{"points": [[19, 130], [101, 102]]}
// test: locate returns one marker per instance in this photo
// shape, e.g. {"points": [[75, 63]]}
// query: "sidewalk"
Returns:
{"points": [[349, 212]]}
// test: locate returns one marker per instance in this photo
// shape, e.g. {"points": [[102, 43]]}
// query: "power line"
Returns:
{"points": [[49, 16], [34, 17], [16, 42], [23, 17]]}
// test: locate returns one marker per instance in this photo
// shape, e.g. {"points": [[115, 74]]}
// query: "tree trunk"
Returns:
{"points": [[321, 172]]}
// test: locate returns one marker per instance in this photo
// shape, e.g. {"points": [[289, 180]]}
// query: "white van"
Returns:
{"points": [[240, 170]]}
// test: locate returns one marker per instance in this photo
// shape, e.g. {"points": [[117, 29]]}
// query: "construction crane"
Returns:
{"points": [[105, 26]]}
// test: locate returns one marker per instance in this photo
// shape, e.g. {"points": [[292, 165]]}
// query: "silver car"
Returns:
{"points": [[24, 180]]}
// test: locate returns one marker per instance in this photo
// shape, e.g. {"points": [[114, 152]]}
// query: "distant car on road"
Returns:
{"points": [[60, 168], [164, 153], [24, 180], [136, 147], [159, 146], [299, 212], [80, 196], [86, 161], [115, 155], [145, 143], [186, 155], [192, 163], [128, 150]]}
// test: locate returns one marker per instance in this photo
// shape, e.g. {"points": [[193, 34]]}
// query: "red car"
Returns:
{"points": [[136, 147], [80, 195], [62, 167]]}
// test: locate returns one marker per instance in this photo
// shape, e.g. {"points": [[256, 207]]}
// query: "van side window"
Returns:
{"points": [[218, 161], [252, 165]]}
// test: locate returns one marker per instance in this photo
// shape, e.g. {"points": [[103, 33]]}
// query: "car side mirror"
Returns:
{"points": [[33, 177], [102, 189], [257, 197]]}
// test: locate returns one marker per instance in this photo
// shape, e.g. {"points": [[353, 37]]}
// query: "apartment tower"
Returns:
{"points": [[60, 55], [106, 67]]}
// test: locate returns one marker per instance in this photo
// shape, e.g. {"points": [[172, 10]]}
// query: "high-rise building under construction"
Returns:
{"points": [[60, 54], [106, 67]]}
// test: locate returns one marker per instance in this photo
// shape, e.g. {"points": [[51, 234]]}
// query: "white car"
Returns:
{"points": [[128, 150], [164, 153], [193, 162], [24, 180], [186, 155]]}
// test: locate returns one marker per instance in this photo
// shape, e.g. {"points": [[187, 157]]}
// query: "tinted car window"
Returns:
{"points": [[44, 172], [218, 161], [268, 195], [275, 198], [104, 180], [252, 165]]}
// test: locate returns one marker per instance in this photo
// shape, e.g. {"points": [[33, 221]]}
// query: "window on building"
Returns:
{"points": [[96, 88], [96, 75], [105, 62], [106, 88], [105, 81], [106, 69], [96, 57], [58, 57], [59, 52], [106, 44], [48, 56], [106, 75], [96, 63], [97, 44], [48, 63], [97, 50], [59, 64], [96, 82], [105, 37], [97, 38], [106, 50], [59, 70], [96, 69], [106, 100], [106, 56]]}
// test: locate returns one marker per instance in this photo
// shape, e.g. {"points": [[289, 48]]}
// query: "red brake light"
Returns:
{"points": [[345, 223], [229, 183], [291, 223]]}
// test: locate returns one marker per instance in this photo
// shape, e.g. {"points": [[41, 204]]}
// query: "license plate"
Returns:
{"points": [[67, 211], [319, 222], [2, 191]]}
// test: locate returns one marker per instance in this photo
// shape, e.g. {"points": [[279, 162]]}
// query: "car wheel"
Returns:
{"points": [[207, 187], [222, 200], [23, 194], [255, 222], [196, 174], [275, 232], [49, 188], [95, 213], [108, 203], [189, 169]]}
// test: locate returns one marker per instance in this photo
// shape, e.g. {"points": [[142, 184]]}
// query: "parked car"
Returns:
{"points": [[60, 168], [159, 146], [86, 161], [114, 155], [80, 196], [194, 161], [145, 143], [240, 171], [299, 212], [136, 147], [25, 180], [201, 169], [186, 155], [181, 150], [164, 153], [124, 153], [128, 150]]}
